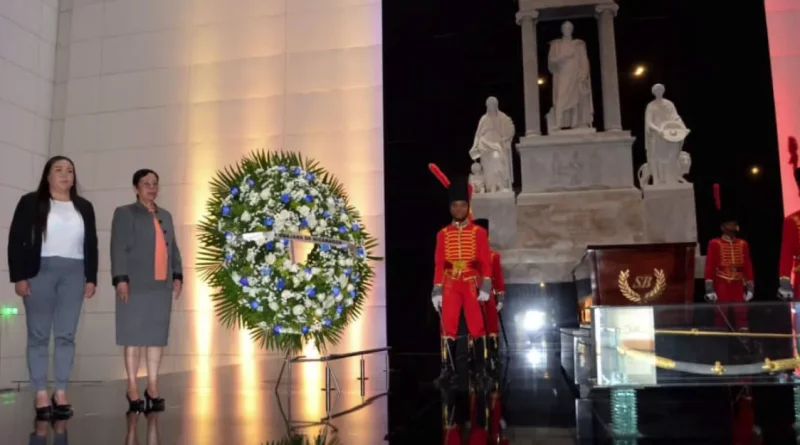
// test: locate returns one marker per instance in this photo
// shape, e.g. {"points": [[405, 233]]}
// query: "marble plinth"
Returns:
{"points": [[574, 162], [553, 230], [501, 210], [669, 214]]}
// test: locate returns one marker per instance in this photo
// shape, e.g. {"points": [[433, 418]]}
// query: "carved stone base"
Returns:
{"points": [[501, 210], [573, 162], [553, 229], [669, 214]]}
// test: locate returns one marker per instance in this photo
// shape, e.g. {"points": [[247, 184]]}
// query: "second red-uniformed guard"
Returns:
{"points": [[729, 270], [496, 299]]}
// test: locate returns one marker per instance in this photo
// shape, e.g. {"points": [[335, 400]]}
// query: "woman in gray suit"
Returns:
{"points": [[147, 274]]}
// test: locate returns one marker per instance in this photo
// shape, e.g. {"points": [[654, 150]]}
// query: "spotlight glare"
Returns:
{"points": [[540, 81], [533, 321], [755, 170], [639, 71]]}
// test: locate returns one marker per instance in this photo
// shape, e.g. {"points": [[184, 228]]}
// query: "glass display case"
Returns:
{"points": [[638, 347]]}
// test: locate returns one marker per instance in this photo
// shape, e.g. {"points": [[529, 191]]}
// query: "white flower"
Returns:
{"points": [[262, 325], [318, 312], [274, 307], [298, 310], [304, 211], [266, 193], [270, 259], [246, 217], [285, 295]]}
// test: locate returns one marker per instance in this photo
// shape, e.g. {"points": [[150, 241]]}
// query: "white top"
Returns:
{"points": [[65, 232]]}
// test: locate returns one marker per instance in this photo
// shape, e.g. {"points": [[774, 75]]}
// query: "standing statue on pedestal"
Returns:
{"points": [[492, 146], [572, 84], [664, 132]]}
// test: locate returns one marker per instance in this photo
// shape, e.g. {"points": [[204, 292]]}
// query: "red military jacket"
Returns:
{"points": [[462, 252], [790, 246], [729, 259], [498, 284]]}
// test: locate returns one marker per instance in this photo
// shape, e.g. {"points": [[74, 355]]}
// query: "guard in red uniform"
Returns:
{"points": [[462, 279], [790, 244], [451, 427], [729, 271], [495, 303], [497, 424]]}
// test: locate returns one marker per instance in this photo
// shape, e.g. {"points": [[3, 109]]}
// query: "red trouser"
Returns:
{"points": [[730, 292], [492, 316], [457, 293], [452, 436], [478, 436]]}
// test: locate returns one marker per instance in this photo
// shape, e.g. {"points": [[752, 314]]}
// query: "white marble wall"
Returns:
{"points": [[188, 86], [27, 68]]}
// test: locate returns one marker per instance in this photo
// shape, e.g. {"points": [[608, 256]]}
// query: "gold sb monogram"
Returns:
{"points": [[642, 282]]}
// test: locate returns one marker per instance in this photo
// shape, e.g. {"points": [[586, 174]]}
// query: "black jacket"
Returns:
{"points": [[25, 243]]}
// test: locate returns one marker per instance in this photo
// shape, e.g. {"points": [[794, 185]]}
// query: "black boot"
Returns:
{"points": [[481, 354], [447, 377], [493, 354]]}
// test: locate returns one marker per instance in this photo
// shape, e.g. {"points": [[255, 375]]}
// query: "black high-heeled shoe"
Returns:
{"points": [[134, 406], [43, 413], [153, 404], [61, 411]]}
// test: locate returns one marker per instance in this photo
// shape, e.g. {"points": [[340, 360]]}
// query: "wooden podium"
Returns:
{"points": [[634, 274]]}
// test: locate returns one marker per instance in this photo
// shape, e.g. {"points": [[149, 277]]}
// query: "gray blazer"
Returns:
{"points": [[133, 248]]}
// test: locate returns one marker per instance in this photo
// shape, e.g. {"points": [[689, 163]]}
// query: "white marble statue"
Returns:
{"points": [[476, 178], [492, 146], [684, 166], [664, 135], [572, 86]]}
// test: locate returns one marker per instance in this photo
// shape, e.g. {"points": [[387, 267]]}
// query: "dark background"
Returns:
{"points": [[442, 58]]}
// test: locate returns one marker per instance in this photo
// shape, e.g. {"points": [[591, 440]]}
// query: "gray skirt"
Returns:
{"points": [[144, 319]]}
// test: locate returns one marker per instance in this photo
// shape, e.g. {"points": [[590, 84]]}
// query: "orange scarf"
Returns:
{"points": [[161, 251]]}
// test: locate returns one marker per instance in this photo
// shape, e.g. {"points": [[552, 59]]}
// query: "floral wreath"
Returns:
{"points": [[257, 207]]}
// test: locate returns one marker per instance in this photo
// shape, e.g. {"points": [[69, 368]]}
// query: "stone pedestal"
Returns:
{"points": [[501, 210], [669, 214], [565, 162], [553, 229]]}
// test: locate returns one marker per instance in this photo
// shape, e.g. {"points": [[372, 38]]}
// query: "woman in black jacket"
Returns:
{"points": [[52, 260]]}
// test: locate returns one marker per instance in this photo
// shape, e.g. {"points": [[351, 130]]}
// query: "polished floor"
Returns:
{"points": [[243, 404]]}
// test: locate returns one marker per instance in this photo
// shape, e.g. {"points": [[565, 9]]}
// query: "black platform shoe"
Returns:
{"points": [[61, 411], [134, 406], [153, 404]]}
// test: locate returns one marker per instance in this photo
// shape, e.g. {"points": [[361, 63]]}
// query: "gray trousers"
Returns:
{"points": [[53, 305]]}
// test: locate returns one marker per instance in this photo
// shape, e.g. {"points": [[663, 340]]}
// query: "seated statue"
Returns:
{"points": [[492, 145], [476, 178]]}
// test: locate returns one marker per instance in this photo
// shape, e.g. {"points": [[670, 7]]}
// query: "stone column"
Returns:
{"points": [[530, 68], [608, 66]]}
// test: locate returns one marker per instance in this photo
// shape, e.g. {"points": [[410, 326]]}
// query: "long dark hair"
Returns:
{"points": [[43, 195]]}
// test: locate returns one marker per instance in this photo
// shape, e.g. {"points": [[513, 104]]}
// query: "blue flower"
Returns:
{"points": [[356, 227], [347, 272], [297, 170], [228, 257], [254, 305], [251, 183], [235, 191], [336, 291], [286, 242], [281, 168], [226, 210], [280, 284], [243, 281], [326, 214], [266, 271], [356, 277], [309, 177], [285, 198], [309, 198], [270, 245], [311, 292], [304, 329], [228, 236], [268, 221], [339, 309], [360, 251], [325, 247], [352, 293], [308, 271], [326, 322], [277, 329], [303, 222], [342, 229]]}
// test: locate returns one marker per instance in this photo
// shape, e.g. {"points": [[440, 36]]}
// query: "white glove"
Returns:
{"points": [[785, 291], [499, 306], [710, 294], [748, 295], [483, 297], [437, 302], [483, 291], [712, 297]]}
